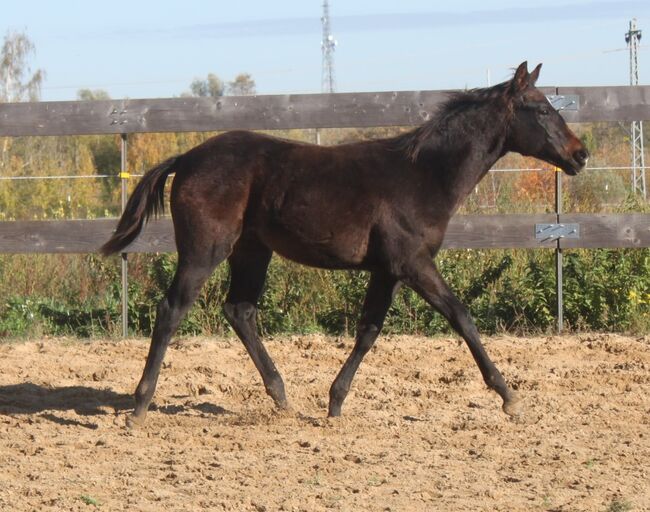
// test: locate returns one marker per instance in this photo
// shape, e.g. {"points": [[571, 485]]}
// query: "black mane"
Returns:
{"points": [[442, 125]]}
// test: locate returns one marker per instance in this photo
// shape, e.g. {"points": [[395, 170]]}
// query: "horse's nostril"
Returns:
{"points": [[581, 156]]}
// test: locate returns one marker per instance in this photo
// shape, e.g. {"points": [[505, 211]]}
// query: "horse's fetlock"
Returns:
{"points": [[338, 392], [276, 385], [337, 396], [141, 391], [275, 389]]}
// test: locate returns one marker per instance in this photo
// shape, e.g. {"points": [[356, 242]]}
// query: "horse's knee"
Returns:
{"points": [[366, 336], [242, 312], [163, 308]]}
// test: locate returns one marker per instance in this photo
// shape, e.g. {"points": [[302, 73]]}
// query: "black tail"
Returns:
{"points": [[148, 199]]}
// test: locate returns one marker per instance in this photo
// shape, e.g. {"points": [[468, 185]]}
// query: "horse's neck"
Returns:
{"points": [[464, 166], [471, 171]]}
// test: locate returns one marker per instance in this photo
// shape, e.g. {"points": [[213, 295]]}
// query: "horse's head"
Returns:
{"points": [[537, 129]]}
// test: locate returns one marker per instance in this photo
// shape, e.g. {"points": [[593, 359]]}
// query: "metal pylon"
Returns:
{"points": [[328, 44], [632, 38]]}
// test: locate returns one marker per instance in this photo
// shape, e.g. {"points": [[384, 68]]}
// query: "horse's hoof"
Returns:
{"points": [[133, 421], [276, 392], [514, 405], [283, 406], [280, 400], [334, 412]]}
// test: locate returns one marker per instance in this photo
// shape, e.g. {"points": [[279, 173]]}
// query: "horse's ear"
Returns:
{"points": [[535, 74], [521, 79]]}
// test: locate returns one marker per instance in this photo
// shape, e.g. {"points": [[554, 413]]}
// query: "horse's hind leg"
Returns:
{"points": [[190, 276], [248, 264]]}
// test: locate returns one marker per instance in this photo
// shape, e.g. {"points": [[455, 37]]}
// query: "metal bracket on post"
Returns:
{"points": [[564, 101], [123, 117], [553, 232]]}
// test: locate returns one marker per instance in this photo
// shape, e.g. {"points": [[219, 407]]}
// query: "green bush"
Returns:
{"points": [[506, 291]]}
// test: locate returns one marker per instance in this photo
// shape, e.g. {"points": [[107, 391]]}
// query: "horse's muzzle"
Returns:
{"points": [[581, 156], [577, 162]]}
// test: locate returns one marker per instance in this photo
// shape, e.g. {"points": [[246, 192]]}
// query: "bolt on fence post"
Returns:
{"points": [[558, 252], [124, 177]]}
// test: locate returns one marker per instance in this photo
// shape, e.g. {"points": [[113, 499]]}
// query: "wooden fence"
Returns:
{"points": [[407, 108]]}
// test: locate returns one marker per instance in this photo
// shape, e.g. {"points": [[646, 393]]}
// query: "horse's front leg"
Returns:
{"points": [[375, 306], [425, 279]]}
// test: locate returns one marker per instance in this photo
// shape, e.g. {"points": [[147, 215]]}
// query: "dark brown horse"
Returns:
{"points": [[380, 205]]}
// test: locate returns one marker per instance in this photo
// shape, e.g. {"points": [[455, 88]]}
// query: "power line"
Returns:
{"points": [[116, 176]]}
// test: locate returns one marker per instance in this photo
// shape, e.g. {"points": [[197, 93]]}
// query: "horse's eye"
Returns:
{"points": [[544, 110]]}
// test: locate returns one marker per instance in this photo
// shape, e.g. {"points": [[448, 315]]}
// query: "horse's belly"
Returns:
{"points": [[316, 226], [327, 250]]}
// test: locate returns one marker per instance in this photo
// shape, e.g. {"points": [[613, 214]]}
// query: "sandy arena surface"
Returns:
{"points": [[419, 430]]}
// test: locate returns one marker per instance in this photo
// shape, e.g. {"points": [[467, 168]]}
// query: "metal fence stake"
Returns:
{"points": [[558, 252], [125, 278]]}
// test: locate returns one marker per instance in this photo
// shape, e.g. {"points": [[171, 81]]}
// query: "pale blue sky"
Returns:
{"points": [[146, 48]]}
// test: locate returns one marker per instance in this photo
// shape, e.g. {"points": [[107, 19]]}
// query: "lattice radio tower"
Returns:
{"points": [[632, 38], [327, 45]]}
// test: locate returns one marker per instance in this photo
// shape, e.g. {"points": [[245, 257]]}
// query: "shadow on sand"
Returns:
{"points": [[29, 399]]}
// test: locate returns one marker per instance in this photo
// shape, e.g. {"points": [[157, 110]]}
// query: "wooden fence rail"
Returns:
{"points": [[465, 232], [280, 112]]}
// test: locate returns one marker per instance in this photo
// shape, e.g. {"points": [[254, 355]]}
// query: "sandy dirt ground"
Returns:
{"points": [[419, 430]]}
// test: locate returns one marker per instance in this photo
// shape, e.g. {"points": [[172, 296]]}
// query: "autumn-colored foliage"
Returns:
{"points": [[536, 186]]}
